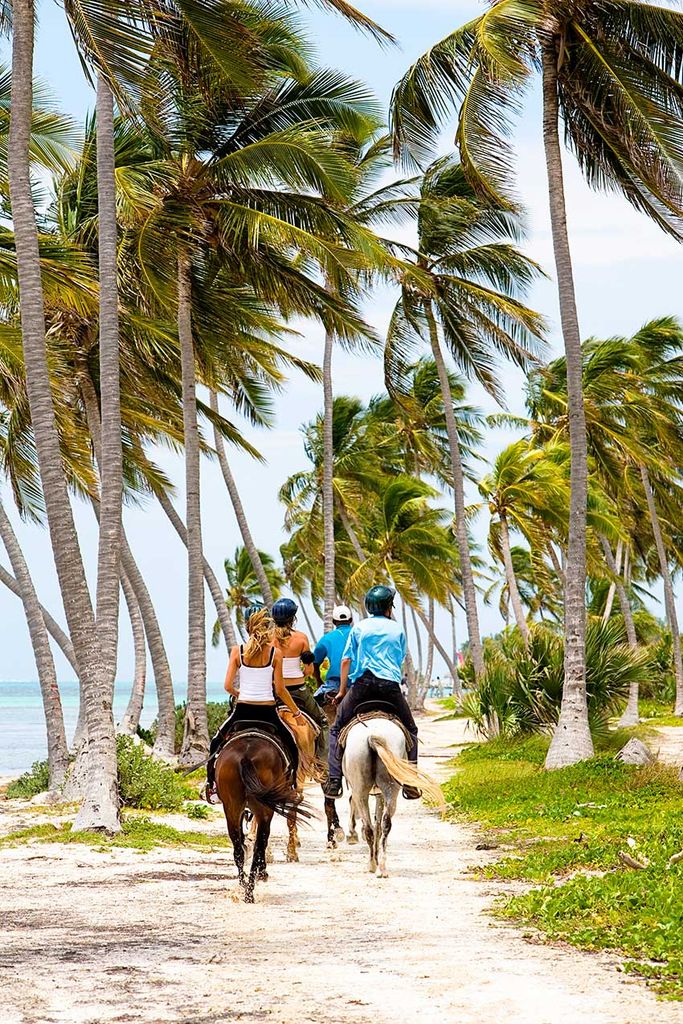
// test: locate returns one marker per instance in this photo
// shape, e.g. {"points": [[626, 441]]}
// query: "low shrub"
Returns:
{"points": [[522, 690], [216, 713], [32, 782], [147, 783], [197, 812]]}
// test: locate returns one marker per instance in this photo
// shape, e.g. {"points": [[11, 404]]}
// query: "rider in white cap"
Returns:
{"points": [[330, 648]]}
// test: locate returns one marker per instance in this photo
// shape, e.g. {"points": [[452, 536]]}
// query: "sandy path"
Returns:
{"points": [[150, 938]]}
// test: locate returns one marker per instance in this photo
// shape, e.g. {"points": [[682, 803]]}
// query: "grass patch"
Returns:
{"points": [[452, 707], [657, 712], [566, 829], [138, 833]]}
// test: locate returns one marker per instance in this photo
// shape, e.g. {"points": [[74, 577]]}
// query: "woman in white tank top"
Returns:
{"points": [[259, 665], [297, 663]]}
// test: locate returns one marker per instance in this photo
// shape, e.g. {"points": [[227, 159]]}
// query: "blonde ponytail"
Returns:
{"points": [[260, 630]]}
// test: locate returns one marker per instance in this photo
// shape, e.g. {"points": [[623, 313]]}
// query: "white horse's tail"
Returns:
{"points": [[406, 773]]}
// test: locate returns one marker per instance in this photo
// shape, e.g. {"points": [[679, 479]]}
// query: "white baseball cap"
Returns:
{"points": [[341, 613]]}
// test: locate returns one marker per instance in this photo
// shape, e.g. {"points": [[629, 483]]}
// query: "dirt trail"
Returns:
{"points": [[94, 938]]}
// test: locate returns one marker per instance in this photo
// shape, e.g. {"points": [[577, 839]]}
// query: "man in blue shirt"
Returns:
{"points": [[330, 648], [373, 661]]}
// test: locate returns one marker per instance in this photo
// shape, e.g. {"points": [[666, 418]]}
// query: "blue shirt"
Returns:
{"points": [[376, 645], [331, 646]]}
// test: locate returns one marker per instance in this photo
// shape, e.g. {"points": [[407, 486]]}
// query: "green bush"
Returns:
{"points": [[216, 711], [523, 686], [197, 812], [145, 782], [35, 781]]}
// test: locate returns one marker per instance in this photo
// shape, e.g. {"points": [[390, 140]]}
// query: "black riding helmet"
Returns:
{"points": [[252, 610], [284, 611], [379, 600]]}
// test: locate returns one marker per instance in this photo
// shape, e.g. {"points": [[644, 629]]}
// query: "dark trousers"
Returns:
{"points": [[369, 687], [242, 711], [304, 699]]}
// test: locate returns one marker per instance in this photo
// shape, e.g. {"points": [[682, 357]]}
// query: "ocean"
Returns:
{"points": [[22, 725]]}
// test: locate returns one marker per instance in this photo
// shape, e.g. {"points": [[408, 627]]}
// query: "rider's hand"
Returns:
{"points": [[338, 698]]}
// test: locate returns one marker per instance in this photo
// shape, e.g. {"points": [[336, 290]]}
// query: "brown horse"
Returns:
{"points": [[251, 775], [335, 833]]}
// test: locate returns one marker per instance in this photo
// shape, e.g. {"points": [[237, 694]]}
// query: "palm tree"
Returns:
{"points": [[462, 289], [527, 492], [612, 74], [244, 587]]}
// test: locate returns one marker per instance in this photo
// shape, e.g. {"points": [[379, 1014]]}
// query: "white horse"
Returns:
{"points": [[375, 761]]}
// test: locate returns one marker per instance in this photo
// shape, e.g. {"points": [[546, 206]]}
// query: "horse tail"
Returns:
{"points": [[280, 797], [406, 773]]}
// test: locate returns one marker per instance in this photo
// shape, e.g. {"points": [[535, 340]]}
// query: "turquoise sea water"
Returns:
{"points": [[22, 725]]}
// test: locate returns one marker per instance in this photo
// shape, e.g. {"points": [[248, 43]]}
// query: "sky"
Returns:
{"points": [[626, 270]]}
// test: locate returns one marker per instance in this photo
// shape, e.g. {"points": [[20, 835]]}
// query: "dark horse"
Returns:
{"points": [[335, 833], [251, 775]]}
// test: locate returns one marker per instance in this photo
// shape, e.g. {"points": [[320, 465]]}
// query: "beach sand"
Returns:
{"points": [[121, 936]]}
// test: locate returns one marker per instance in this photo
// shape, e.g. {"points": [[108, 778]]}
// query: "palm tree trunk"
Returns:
{"points": [[164, 744], [57, 749], [462, 540], [110, 461], [669, 600], [409, 663], [348, 526], [131, 716], [52, 626], [195, 745], [431, 633], [556, 563], [572, 739], [430, 643], [513, 589], [307, 620], [209, 575], [99, 809], [329, 584], [454, 644], [252, 550], [630, 714], [418, 640], [616, 562]]}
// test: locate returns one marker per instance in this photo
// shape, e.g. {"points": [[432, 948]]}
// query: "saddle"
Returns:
{"points": [[255, 729], [369, 710]]}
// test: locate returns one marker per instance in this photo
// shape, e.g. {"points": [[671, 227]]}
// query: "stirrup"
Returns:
{"points": [[333, 788], [411, 793], [209, 794]]}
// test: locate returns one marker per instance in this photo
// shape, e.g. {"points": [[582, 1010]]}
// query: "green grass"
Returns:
{"points": [[565, 830], [452, 707], [139, 833], [656, 712]]}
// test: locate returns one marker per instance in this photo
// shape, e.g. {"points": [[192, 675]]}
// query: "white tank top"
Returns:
{"points": [[256, 684], [291, 668]]}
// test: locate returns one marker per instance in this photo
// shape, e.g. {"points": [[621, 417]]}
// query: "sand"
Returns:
{"points": [[122, 936]]}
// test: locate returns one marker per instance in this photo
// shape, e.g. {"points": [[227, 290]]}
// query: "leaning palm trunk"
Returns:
{"points": [[457, 688], [131, 717], [329, 578], [630, 715], [513, 589], [110, 460], [418, 640], [304, 612], [209, 575], [57, 750], [462, 540], [51, 624], [252, 550], [164, 745], [195, 746], [99, 808], [431, 633], [409, 663], [430, 645], [669, 600], [572, 739], [348, 527], [616, 562]]}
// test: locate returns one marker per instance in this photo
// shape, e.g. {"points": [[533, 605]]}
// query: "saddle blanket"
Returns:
{"points": [[368, 716]]}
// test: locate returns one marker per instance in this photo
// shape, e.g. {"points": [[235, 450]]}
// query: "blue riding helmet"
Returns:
{"points": [[379, 600], [283, 611], [252, 610]]}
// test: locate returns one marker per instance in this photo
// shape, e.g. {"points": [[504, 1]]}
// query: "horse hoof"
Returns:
{"points": [[262, 877], [372, 867], [382, 874], [352, 839], [339, 834], [293, 858], [331, 844]]}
